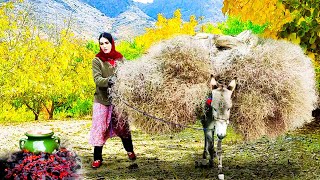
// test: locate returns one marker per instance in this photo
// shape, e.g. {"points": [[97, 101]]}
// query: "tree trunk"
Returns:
{"points": [[49, 110], [35, 111], [36, 117]]}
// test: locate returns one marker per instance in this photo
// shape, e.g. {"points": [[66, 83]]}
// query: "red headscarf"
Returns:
{"points": [[112, 56]]}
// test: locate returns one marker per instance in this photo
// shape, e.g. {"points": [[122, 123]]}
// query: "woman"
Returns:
{"points": [[106, 119]]}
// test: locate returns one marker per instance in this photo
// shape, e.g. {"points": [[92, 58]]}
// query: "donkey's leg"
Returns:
{"points": [[209, 142], [219, 154], [205, 121], [205, 154], [211, 148], [206, 146], [209, 134], [205, 149]]}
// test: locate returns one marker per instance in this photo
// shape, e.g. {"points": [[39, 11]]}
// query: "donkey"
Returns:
{"points": [[216, 118]]}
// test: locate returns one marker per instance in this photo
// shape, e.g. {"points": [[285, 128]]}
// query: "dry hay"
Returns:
{"points": [[276, 86], [166, 83], [275, 91]]}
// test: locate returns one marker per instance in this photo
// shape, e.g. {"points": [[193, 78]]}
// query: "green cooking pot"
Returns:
{"points": [[40, 141]]}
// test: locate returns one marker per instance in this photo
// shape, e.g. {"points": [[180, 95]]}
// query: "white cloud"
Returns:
{"points": [[144, 1]]}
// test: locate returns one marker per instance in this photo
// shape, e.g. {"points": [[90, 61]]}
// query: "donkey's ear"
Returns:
{"points": [[213, 83], [232, 85]]}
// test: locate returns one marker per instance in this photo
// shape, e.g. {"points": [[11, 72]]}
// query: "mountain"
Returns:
{"points": [[111, 8], [86, 20], [209, 9], [82, 18], [131, 22], [123, 18]]}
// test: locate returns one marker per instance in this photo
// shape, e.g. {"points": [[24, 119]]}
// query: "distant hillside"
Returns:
{"points": [[209, 9], [131, 23], [123, 18], [111, 8], [86, 20]]}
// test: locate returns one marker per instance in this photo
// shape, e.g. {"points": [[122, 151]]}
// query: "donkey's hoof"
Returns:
{"points": [[210, 163], [221, 176], [201, 163], [204, 162]]}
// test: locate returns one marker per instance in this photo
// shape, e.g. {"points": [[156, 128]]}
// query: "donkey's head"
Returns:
{"points": [[221, 105]]}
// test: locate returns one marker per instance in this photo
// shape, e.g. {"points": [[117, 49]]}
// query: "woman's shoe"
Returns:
{"points": [[96, 163], [132, 156]]}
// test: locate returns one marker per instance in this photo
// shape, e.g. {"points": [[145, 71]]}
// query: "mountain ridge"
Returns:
{"points": [[125, 19]]}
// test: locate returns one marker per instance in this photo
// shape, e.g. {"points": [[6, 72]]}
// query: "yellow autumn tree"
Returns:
{"points": [[164, 29], [260, 12], [295, 21], [40, 70], [167, 28]]}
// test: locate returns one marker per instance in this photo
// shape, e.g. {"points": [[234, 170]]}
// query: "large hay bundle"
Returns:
{"points": [[275, 92], [167, 83], [276, 85]]}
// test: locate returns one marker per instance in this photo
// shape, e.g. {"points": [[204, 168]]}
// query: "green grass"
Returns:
{"points": [[234, 26]]}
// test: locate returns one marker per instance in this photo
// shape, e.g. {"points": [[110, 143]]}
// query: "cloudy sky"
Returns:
{"points": [[143, 1]]}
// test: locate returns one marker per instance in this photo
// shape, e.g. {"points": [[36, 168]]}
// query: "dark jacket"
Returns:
{"points": [[102, 72]]}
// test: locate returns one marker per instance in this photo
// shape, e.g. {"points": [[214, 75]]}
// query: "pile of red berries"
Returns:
{"points": [[23, 165]]}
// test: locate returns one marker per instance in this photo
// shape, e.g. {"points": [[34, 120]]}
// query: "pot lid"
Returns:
{"points": [[39, 133]]}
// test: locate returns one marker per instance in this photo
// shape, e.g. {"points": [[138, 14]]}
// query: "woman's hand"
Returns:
{"points": [[111, 81]]}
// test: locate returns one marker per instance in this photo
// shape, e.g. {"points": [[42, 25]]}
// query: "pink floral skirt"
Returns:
{"points": [[107, 122]]}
